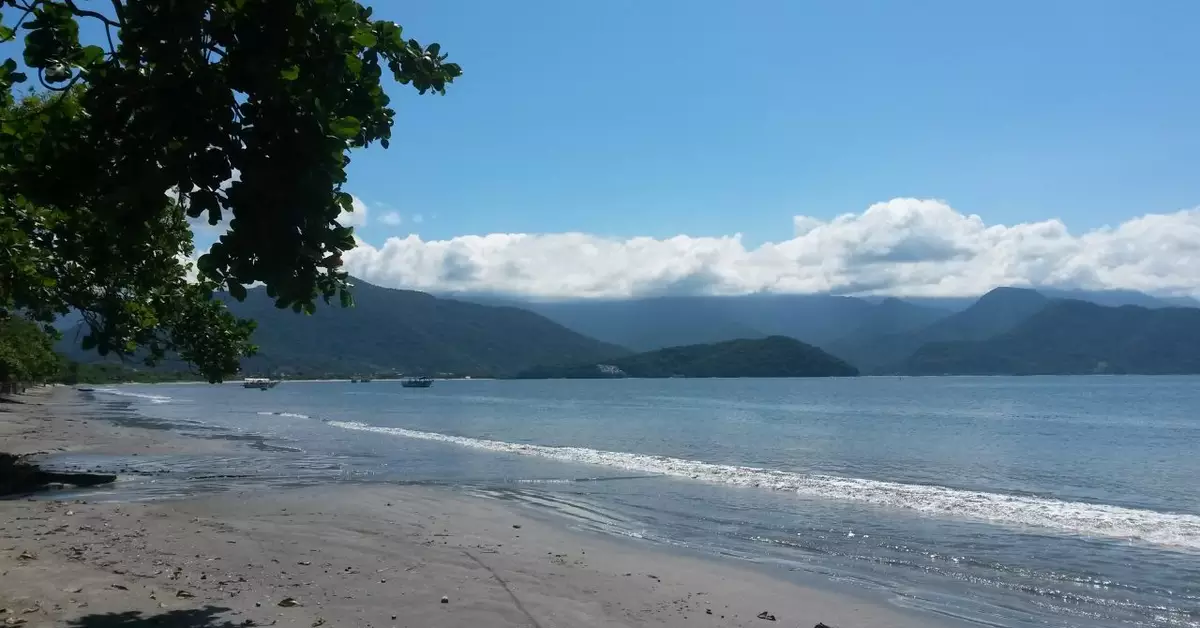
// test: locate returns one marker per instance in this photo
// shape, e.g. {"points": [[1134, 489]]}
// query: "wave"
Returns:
{"points": [[1078, 518], [287, 414], [126, 393]]}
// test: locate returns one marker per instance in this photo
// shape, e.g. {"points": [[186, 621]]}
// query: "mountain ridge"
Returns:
{"points": [[1070, 336]]}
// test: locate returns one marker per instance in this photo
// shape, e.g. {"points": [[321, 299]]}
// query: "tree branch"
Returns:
{"points": [[16, 27], [92, 14], [119, 11]]}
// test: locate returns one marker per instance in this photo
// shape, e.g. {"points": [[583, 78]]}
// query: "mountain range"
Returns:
{"points": [[399, 331], [915, 336], [1068, 336], [1008, 330], [655, 323]]}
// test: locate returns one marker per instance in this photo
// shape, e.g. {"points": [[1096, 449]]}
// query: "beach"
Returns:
{"points": [[346, 555]]}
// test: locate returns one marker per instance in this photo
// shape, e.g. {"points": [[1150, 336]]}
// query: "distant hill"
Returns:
{"points": [[896, 316], [774, 356], [654, 323], [1075, 337], [644, 324], [403, 331], [1111, 298], [410, 332], [994, 313], [1118, 298]]}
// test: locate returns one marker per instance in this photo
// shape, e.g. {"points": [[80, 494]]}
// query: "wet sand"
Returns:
{"points": [[350, 555]]}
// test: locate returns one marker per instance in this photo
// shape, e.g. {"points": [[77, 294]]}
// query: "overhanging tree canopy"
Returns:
{"points": [[241, 112]]}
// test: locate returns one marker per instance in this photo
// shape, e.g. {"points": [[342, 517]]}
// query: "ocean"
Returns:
{"points": [[1037, 501]]}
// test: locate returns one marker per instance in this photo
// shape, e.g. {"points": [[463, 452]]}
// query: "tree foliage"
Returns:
{"points": [[238, 112], [26, 352]]}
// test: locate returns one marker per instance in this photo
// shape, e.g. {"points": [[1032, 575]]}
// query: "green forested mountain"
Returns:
{"points": [[774, 356], [1074, 337], [409, 332], [994, 313]]}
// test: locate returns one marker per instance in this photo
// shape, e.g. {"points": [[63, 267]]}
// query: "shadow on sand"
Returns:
{"points": [[207, 617]]}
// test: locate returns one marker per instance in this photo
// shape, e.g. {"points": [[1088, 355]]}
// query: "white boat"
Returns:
{"points": [[261, 383]]}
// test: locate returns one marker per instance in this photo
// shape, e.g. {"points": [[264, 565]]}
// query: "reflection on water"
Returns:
{"points": [[1000, 501]]}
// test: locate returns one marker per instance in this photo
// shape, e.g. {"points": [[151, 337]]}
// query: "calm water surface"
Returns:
{"points": [[1000, 501]]}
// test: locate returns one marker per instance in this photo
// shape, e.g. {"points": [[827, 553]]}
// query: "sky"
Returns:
{"points": [[932, 147]]}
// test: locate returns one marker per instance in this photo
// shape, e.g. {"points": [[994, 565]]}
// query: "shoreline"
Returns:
{"points": [[370, 555]]}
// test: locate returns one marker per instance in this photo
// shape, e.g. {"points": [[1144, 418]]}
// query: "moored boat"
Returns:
{"points": [[261, 383], [417, 382]]}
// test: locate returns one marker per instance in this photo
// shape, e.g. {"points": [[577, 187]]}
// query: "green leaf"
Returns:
{"points": [[290, 74], [364, 38], [90, 55], [346, 127], [207, 264], [237, 291]]}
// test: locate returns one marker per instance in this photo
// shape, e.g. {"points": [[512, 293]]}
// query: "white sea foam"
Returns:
{"points": [[287, 414], [126, 393], [1079, 518]]}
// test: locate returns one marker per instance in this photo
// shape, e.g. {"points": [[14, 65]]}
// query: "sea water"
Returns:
{"points": [[1056, 501]]}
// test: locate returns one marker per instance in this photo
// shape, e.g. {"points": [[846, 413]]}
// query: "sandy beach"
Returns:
{"points": [[349, 555]]}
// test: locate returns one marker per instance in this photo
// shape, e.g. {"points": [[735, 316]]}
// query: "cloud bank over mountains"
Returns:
{"points": [[902, 247]]}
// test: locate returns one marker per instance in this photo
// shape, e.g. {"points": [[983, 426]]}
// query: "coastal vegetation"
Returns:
{"points": [[26, 354], [244, 118]]}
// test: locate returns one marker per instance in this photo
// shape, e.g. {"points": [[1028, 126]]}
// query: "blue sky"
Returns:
{"points": [[628, 118], [925, 147]]}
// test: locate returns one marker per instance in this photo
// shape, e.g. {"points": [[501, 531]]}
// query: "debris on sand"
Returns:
{"points": [[445, 600], [289, 602], [767, 616]]}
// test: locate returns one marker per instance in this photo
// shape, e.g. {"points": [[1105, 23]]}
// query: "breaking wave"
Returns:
{"points": [[126, 393], [1078, 518]]}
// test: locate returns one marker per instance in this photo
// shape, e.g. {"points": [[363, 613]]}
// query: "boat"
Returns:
{"points": [[417, 382], [261, 383]]}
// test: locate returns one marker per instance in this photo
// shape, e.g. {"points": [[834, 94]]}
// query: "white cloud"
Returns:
{"points": [[902, 247], [357, 217], [391, 218]]}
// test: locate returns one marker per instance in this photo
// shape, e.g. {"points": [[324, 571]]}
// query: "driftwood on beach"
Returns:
{"points": [[18, 477]]}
